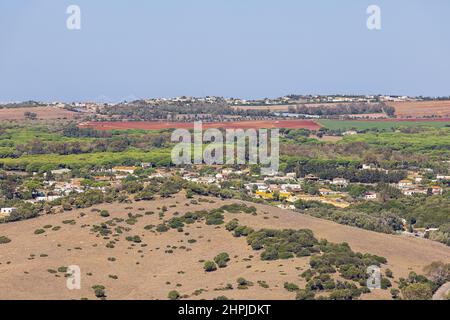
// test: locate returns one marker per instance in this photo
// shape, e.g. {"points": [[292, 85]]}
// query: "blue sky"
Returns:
{"points": [[235, 48]]}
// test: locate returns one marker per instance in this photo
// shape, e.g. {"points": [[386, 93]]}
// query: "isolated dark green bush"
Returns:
{"points": [[174, 295], [222, 259], [209, 266], [4, 240]]}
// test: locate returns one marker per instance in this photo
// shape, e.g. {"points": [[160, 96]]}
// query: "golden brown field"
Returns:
{"points": [[43, 113], [422, 109], [149, 270], [418, 109]]}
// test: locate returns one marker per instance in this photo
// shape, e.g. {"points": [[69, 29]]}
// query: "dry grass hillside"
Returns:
{"points": [[174, 260]]}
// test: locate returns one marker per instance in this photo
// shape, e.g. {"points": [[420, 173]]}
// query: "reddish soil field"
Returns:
{"points": [[44, 113], [159, 125]]}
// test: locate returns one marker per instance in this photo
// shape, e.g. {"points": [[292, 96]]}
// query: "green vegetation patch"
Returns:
{"points": [[4, 240], [382, 125]]}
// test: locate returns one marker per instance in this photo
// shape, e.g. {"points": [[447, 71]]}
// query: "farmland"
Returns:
{"points": [[405, 109], [422, 109], [382, 125], [159, 125], [44, 113], [141, 227]]}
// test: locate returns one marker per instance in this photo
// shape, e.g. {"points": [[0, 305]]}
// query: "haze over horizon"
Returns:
{"points": [[252, 49]]}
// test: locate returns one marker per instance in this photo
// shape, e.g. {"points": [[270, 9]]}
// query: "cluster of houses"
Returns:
{"points": [[284, 188], [208, 179], [288, 189], [275, 186], [414, 185], [60, 186]]}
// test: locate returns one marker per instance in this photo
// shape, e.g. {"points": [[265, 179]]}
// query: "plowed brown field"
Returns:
{"points": [[422, 109], [43, 113], [159, 125]]}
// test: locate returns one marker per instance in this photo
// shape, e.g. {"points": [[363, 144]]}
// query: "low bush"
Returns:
{"points": [[222, 259], [243, 283], [209, 266], [304, 294], [291, 287], [174, 295], [104, 213], [4, 240]]}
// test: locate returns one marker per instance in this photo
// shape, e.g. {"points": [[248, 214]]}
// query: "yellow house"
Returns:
{"points": [[124, 169], [285, 194], [266, 195], [292, 199]]}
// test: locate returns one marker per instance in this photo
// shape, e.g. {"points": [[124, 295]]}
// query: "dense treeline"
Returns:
{"points": [[350, 170], [73, 131], [343, 109], [384, 222], [140, 110], [418, 211], [353, 174], [403, 149], [37, 146], [25, 104], [100, 142], [421, 211]]}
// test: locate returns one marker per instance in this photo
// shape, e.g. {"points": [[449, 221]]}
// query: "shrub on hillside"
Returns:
{"points": [[174, 295], [222, 259], [4, 240], [209, 266]]}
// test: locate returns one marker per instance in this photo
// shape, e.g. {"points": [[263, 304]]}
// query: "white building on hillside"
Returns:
{"points": [[340, 182], [370, 196]]}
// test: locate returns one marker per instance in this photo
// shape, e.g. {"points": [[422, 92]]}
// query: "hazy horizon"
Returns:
{"points": [[249, 50], [191, 96]]}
